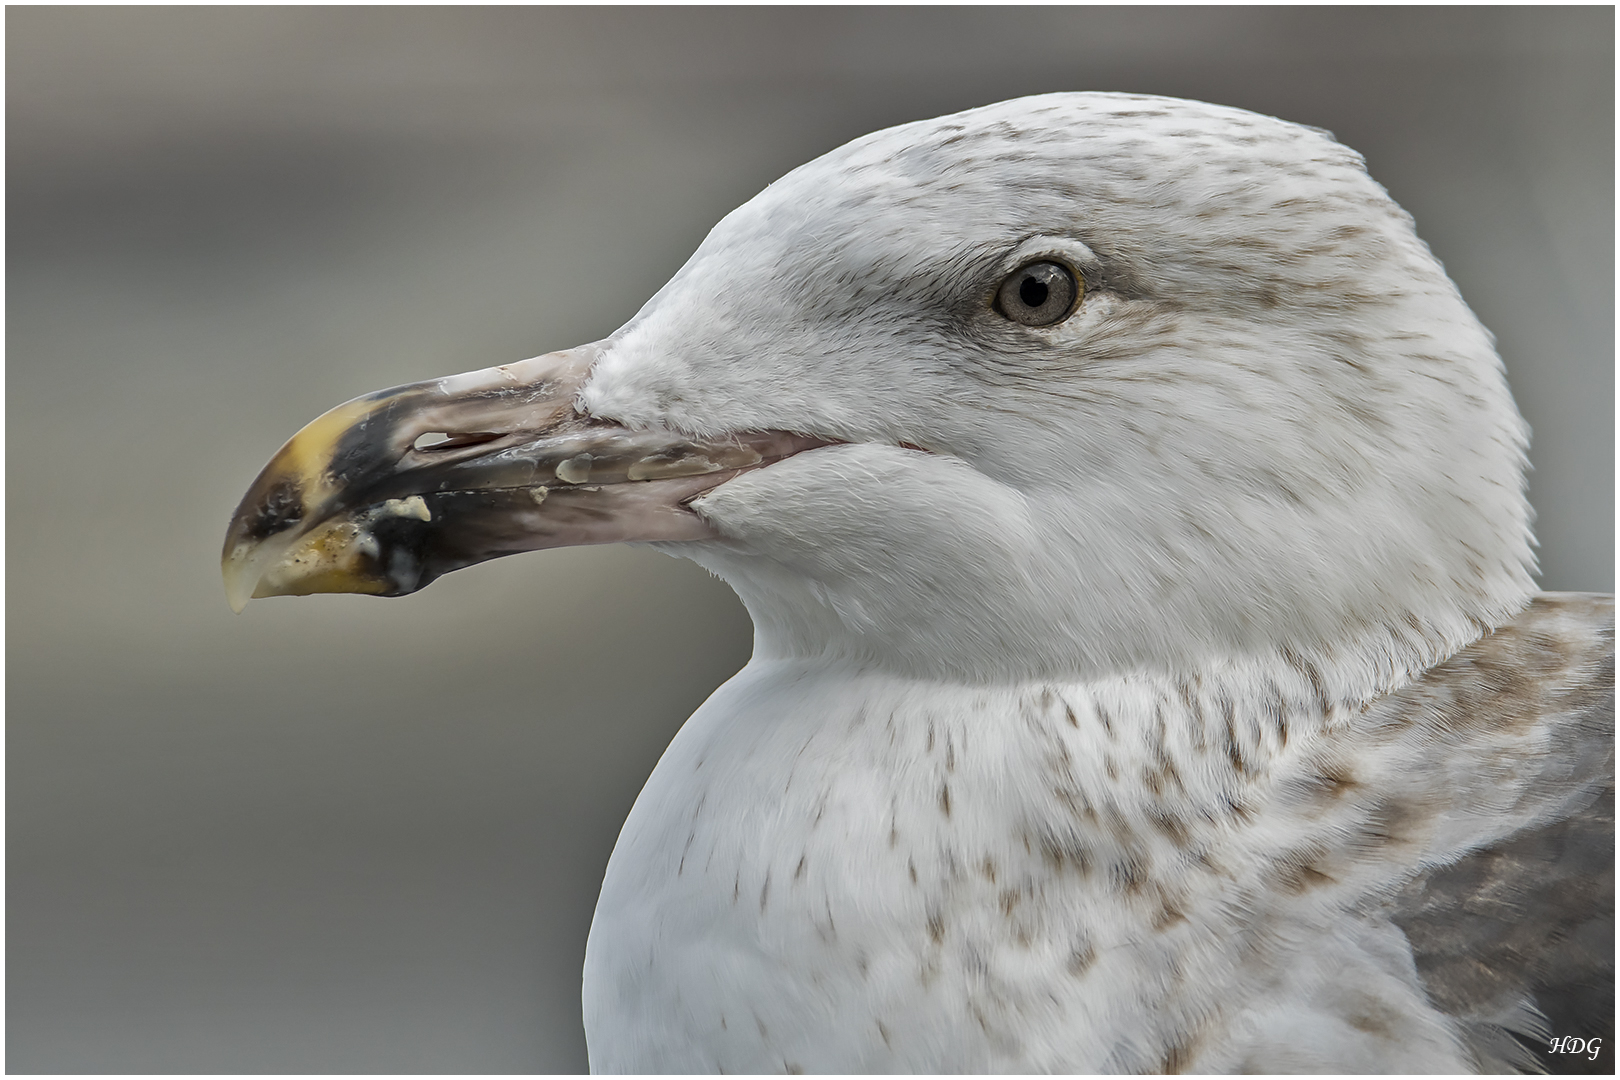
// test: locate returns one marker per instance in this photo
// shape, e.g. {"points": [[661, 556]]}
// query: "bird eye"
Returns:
{"points": [[1039, 294]]}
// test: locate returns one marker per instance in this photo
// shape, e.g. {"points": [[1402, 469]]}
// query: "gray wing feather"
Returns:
{"points": [[1516, 939]]}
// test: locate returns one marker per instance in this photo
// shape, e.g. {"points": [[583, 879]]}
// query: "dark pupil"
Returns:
{"points": [[1032, 292]]}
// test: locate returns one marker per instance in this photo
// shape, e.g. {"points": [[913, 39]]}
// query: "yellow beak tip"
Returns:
{"points": [[238, 591]]}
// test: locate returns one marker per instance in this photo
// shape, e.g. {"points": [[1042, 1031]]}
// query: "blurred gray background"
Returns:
{"points": [[346, 835]]}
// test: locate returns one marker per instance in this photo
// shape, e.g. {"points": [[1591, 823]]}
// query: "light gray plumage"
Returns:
{"points": [[1225, 553], [1526, 925]]}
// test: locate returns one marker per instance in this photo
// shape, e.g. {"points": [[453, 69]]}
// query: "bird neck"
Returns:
{"points": [[966, 610], [1191, 749]]}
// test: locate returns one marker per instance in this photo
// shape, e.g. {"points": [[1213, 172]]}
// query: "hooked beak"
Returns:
{"points": [[393, 489]]}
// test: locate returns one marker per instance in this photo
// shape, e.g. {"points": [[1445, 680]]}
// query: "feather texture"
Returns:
{"points": [[1162, 689]]}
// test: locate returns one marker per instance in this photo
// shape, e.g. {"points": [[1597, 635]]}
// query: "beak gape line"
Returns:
{"points": [[353, 504]]}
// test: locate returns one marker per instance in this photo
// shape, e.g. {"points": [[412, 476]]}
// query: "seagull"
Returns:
{"points": [[1148, 673]]}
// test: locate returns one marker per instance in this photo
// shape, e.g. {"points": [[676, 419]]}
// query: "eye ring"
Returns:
{"points": [[1039, 293]]}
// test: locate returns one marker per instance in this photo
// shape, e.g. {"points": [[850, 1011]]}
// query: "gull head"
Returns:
{"points": [[1065, 386]]}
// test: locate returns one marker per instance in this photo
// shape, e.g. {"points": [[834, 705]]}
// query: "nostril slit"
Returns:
{"points": [[450, 440]]}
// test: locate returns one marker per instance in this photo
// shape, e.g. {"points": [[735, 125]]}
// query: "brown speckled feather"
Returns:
{"points": [[1518, 935]]}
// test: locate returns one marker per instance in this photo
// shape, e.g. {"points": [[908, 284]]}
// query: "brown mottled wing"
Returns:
{"points": [[1523, 929]]}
